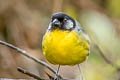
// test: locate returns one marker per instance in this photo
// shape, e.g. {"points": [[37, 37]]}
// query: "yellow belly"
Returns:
{"points": [[65, 47]]}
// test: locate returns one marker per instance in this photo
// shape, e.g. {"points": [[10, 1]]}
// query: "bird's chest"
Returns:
{"points": [[61, 42], [59, 46]]}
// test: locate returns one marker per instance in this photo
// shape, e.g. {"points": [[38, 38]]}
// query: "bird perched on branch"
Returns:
{"points": [[65, 42]]}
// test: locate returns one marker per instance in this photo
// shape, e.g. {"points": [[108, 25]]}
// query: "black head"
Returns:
{"points": [[62, 21]]}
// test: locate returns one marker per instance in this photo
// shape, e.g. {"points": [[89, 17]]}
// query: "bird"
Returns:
{"points": [[65, 42]]}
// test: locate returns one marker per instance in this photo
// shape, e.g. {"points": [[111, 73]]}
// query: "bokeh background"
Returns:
{"points": [[24, 22]]}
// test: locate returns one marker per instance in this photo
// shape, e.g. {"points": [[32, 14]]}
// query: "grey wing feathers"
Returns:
{"points": [[79, 30]]}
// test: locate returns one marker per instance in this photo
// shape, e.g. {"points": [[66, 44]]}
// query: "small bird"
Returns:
{"points": [[65, 42]]}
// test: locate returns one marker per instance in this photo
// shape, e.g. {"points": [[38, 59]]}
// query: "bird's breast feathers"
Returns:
{"points": [[65, 47]]}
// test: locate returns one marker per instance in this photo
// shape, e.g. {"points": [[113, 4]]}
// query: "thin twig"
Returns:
{"points": [[50, 77], [23, 52], [14, 79], [106, 59], [29, 73]]}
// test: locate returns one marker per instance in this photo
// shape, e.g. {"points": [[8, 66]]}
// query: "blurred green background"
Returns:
{"points": [[24, 22]]}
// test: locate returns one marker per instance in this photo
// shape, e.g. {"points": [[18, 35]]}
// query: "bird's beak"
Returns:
{"points": [[56, 23]]}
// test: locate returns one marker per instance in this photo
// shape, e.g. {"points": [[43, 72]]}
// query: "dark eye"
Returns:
{"points": [[68, 24], [65, 19]]}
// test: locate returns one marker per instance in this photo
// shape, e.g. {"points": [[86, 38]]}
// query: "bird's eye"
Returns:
{"points": [[65, 19], [68, 24]]}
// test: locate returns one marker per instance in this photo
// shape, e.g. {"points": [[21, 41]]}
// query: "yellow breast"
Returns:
{"points": [[65, 47]]}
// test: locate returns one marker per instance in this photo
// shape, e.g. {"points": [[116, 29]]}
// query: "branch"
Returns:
{"points": [[106, 59], [28, 79], [23, 52], [50, 77], [29, 73]]}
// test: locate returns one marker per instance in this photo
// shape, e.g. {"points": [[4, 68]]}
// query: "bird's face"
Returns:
{"points": [[61, 21]]}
